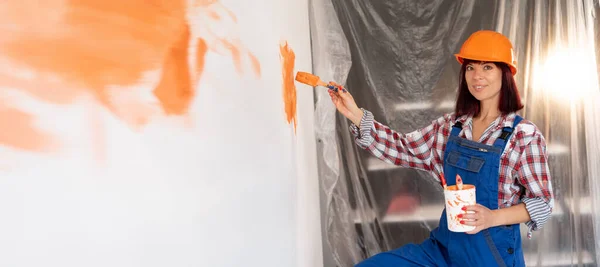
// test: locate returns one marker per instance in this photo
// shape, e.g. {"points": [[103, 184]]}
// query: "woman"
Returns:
{"points": [[487, 144]]}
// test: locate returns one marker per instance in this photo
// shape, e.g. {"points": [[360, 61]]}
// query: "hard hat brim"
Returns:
{"points": [[460, 58]]}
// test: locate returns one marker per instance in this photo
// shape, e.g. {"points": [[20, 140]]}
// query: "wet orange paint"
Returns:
{"points": [[175, 90], [201, 50], [215, 15], [98, 43], [42, 89], [236, 54], [255, 65], [91, 45], [18, 131], [88, 46], [204, 2], [220, 33], [288, 59]]}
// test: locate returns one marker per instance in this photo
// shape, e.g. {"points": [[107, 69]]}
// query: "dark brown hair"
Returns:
{"points": [[510, 100]]}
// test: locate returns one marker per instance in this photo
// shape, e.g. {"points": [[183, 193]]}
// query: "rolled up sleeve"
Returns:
{"points": [[362, 133], [534, 175], [539, 211]]}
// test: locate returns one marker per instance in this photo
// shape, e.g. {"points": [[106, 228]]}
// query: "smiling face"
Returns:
{"points": [[484, 80], [486, 85]]}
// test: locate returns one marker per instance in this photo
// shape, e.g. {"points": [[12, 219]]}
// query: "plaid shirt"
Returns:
{"points": [[523, 161]]}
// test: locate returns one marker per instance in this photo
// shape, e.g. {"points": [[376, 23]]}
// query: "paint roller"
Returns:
{"points": [[312, 80]]}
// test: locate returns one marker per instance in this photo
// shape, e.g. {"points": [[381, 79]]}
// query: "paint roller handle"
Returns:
{"points": [[344, 103]]}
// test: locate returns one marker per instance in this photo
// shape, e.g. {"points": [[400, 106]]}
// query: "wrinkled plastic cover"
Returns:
{"points": [[331, 61], [396, 58]]}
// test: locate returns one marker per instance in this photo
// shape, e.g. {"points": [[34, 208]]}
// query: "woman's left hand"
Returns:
{"points": [[481, 217]]}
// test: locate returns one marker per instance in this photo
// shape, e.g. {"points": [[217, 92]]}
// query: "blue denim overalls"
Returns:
{"points": [[477, 164]]}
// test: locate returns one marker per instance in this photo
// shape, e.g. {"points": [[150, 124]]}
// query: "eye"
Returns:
{"points": [[488, 67], [470, 67]]}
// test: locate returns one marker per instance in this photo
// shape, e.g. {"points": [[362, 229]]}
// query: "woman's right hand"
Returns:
{"points": [[344, 103]]}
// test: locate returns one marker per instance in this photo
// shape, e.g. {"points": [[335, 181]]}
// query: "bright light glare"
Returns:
{"points": [[567, 73]]}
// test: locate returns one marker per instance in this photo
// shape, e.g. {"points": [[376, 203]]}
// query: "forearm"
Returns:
{"points": [[407, 150], [356, 117], [512, 215]]}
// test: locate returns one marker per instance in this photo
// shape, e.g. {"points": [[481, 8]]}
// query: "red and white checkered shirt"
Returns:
{"points": [[524, 163]]}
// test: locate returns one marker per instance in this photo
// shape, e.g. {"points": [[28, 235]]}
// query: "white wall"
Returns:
{"points": [[228, 183]]}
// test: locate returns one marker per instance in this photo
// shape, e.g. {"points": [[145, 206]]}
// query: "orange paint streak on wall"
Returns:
{"points": [[87, 46], [236, 55], [255, 66], [175, 90], [19, 131], [204, 2], [220, 33], [97, 43], [201, 50], [90, 45], [288, 59], [42, 89]]}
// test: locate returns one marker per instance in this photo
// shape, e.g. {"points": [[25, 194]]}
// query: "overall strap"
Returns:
{"points": [[456, 128], [506, 133]]}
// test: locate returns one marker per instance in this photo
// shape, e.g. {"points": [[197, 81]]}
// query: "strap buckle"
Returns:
{"points": [[506, 131]]}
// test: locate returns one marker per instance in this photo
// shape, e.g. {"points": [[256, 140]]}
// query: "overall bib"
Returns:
{"points": [[477, 164]]}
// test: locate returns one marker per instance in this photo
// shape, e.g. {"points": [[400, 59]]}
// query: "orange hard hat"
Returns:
{"points": [[488, 46]]}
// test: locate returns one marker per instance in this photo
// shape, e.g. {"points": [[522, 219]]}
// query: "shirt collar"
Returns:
{"points": [[501, 122], [507, 120]]}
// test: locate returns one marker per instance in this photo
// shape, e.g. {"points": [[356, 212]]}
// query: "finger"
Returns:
{"points": [[335, 85], [338, 87], [346, 95], [474, 208], [343, 95], [335, 99], [338, 102], [333, 96], [343, 91], [476, 223], [469, 216], [469, 223], [336, 96]]}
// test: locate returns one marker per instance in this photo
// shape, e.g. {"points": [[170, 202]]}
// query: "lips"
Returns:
{"points": [[479, 88]]}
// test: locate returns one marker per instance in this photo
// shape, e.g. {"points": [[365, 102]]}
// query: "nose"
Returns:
{"points": [[477, 73]]}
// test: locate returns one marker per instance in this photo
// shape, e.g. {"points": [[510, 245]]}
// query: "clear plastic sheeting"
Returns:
{"points": [[332, 62], [396, 58]]}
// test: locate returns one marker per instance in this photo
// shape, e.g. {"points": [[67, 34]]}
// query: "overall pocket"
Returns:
{"points": [[502, 243], [465, 162]]}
